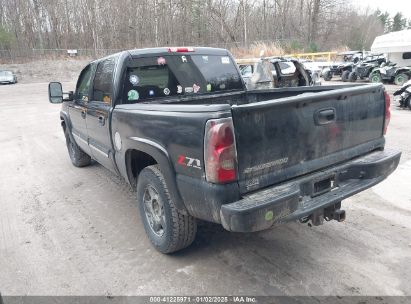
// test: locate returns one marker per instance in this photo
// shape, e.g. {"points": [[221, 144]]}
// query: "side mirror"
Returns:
{"points": [[55, 92], [70, 96]]}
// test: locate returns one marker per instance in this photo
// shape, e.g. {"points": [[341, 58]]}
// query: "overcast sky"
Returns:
{"points": [[391, 6]]}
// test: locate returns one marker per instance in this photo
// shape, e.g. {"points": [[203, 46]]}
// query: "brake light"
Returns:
{"points": [[180, 49], [387, 111], [220, 155]]}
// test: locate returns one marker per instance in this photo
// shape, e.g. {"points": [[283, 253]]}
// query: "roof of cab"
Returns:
{"points": [[169, 50], [165, 51]]}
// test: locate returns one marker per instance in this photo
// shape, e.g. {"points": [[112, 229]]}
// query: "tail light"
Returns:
{"points": [[180, 49], [220, 155], [387, 111]]}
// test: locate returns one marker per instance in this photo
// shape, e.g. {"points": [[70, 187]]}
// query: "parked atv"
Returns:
{"points": [[364, 68], [403, 95], [343, 68], [391, 73]]}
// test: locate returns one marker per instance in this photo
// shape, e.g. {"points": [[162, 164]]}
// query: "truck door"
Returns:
{"points": [[99, 112], [78, 108]]}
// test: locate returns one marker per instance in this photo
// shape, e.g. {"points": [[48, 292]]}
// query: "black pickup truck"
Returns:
{"points": [[180, 127]]}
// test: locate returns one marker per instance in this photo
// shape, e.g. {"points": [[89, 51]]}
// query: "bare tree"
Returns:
{"points": [[122, 24]]}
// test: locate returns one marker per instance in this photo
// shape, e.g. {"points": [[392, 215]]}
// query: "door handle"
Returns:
{"points": [[101, 120], [83, 114], [325, 116]]}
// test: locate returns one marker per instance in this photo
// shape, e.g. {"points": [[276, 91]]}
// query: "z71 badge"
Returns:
{"points": [[189, 162]]}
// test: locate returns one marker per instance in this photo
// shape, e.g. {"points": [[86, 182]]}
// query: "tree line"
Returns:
{"points": [[303, 25]]}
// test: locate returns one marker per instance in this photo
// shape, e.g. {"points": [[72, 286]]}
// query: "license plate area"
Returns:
{"points": [[323, 185]]}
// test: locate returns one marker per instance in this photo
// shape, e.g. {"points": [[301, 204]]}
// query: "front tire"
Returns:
{"points": [[352, 77], [328, 76], [344, 76], [77, 156], [167, 229]]}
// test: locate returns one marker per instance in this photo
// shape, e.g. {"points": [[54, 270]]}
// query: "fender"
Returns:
{"points": [[402, 70], [161, 156], [64, 116]]}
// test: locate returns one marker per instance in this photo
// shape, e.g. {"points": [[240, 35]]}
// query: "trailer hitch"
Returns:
{"points": [[330, 213], [334, 213]]}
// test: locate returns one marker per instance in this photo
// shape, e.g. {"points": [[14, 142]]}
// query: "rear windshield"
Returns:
{"points": [[5, 73], [179, 75]]}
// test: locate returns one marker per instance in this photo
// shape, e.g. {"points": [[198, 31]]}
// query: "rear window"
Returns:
{"points": [[246, 70], [287, 68], [179, 75]]}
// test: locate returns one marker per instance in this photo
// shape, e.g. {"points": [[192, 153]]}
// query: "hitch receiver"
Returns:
{"points": [[330, 213]]}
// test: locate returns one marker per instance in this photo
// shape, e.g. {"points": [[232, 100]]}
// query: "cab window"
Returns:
{"points": [[103, 81], [83, 84]]}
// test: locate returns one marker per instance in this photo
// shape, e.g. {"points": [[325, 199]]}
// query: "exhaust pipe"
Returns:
{"points": [[317, 218]]}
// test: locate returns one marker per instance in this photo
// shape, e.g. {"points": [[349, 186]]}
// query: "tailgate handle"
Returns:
{"points": [[325, 116]]}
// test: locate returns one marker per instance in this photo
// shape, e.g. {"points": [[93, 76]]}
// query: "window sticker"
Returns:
{"points": [[134, 80], [209, 87], [133, 95], [188, 90], [222, 86], [196, 88], [183, 58], [151, 92], [166, 91], [161, 61], [225, 60], [106, 99], [179, 89], [205, 59]]}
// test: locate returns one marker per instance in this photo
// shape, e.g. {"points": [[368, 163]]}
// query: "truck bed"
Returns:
{"points": [[278, 139], [280, 133]]}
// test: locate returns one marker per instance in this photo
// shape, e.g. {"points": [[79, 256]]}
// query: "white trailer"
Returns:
{"points": [[396, 46]]}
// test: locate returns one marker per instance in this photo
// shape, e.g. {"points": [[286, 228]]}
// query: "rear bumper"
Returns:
{"points": [[294, 199]]}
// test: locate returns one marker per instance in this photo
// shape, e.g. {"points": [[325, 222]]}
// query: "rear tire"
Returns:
{"points": [[352, 77], [167, 229], [344, 76], [78, 157], [400, 79], [375, 77]]}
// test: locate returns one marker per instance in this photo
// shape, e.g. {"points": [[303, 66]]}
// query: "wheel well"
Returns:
{"points": [[63, 124], [406, 72], [135, 162]]}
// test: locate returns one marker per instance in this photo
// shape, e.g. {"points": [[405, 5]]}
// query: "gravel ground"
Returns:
{"points": [[46, 70], [71, 231]]}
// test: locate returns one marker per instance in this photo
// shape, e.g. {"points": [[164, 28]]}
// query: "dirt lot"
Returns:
{"points": [[71, 231], [47, 70]]}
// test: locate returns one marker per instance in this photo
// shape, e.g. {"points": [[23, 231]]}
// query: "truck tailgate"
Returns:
{"points": [[279, 139]]}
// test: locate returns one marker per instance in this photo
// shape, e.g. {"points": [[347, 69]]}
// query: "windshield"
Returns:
{"points": [[5, 73], [179, 75]]}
